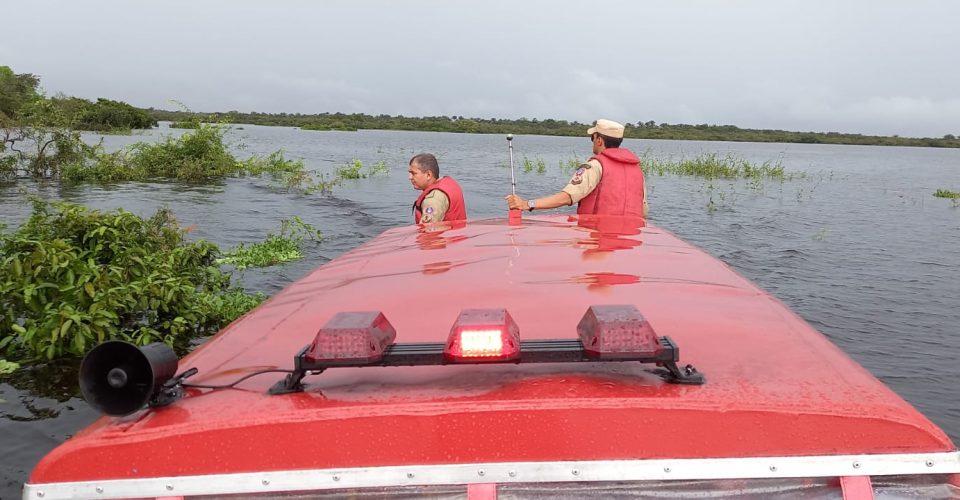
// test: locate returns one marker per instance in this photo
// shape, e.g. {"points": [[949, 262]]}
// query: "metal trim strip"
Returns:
{"points": [[517, 472]]}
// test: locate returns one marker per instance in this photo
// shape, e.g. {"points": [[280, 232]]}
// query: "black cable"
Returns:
{"points": [[241, 379]]}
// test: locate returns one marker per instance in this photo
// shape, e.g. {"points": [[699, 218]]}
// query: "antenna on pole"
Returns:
{"points": [[513, 176]]}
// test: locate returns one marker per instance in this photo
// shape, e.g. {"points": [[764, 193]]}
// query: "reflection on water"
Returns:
{"points": [[859, 247]]}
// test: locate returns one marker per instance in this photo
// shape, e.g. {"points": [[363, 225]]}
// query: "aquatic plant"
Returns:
{"points": [[536, 164], [351, 170], [715, 166], [569, 165], [275, 249], [379, 168], [945, 193], [195, 156], [953, 196], [7, 367], [323, 185], [71, 278]]}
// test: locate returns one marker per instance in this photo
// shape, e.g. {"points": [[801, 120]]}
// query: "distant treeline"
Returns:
{"points": [[23, 106], [104, 115], [638, 130]]}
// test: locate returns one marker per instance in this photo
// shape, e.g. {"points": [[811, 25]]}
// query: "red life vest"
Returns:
{"points": [[620, 191], [449, 187]]}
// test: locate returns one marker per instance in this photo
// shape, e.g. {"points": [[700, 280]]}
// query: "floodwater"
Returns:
{"points": [[857, 246]]}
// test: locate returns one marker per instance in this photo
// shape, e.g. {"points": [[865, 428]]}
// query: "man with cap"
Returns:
{"points": [[441, 199], [609, 183]]}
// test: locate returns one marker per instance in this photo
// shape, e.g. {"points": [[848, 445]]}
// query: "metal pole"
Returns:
{"points": [[513, 177]]}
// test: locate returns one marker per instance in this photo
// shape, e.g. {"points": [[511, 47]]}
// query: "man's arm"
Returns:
{"points": [[434, 206], [555, 200], [583, 182], [645, 207]]}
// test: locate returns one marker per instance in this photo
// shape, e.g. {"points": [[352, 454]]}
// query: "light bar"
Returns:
{"points": [[614, 333]]}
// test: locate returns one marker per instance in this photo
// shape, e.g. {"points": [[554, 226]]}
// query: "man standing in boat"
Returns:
{"points": [[442, 198], [609, 183]]}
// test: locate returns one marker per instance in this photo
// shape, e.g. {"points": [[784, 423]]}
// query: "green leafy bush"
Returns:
{"points": [[195, 156], [71, 278]]}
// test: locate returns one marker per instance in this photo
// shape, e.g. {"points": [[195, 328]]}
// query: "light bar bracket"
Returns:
{"points": [[531, 351]]}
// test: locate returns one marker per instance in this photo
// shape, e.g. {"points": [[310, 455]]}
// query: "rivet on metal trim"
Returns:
{"points": [[265, 482], [929, 463], [169, 487], [481, 472], [666, 469], [575, 472], [512, 473], [40, 494], [336, 477], [99, 489], [773, 468], [409, 475], [856, 465]]}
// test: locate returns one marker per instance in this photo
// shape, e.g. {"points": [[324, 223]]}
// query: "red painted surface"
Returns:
{"points": [[485, 491], [774, 385], [856, 488]]}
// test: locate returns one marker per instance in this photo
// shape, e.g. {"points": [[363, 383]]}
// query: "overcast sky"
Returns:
{"points": [[875, 67]]}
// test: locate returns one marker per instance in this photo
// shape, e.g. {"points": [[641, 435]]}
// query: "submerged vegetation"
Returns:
{"points": [[716, 166], [722, 174], [276, 249], [944, 193], [40, 144], [198, 155], [953, 196], [569, 165], [354, 170], [536, 164], [71, 278]]}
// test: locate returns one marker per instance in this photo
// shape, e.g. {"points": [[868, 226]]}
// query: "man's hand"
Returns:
{"points": [[515, 202]]}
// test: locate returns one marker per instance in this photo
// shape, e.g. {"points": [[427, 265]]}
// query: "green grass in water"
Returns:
{"points": [[275, 249], [944, 193], [716, 166]]}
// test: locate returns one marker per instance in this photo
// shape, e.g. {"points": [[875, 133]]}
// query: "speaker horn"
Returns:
{"points": [[118, 378]]}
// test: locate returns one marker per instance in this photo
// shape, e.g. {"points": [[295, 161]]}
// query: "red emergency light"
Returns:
{"points": [[483, 335], [352, 337], [617, 331]]}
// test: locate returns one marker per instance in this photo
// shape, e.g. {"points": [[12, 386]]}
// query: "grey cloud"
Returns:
{"points": [[853, 66]]}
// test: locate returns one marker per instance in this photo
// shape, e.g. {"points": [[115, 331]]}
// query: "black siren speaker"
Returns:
{"points": [[118, 378]]}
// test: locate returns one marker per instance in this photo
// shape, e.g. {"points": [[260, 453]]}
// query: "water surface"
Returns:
{"points": [[858, 247]]}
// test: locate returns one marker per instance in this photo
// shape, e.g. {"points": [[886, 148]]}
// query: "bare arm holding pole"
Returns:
{"points": [[515, 202]]}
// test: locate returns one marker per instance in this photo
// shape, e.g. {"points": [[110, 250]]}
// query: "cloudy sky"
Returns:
{"points": [[875, 67]]}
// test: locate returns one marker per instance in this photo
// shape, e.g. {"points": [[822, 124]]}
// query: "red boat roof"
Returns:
{"points": [[775, 386]]}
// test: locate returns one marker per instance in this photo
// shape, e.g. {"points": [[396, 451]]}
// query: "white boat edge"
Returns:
{"points": [[506, 472]]}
